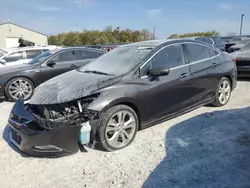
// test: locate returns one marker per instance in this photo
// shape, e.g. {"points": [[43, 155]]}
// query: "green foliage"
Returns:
{"points": [[106, 36], [208, 33]]}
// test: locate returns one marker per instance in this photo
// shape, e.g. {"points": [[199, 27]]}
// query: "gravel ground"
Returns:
{"points": [[208, 147]]}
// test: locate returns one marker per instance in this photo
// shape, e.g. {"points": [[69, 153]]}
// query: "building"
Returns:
{"points": [[10, 33]]}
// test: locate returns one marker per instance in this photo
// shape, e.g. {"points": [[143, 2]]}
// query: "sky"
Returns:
{"points": [[168, 17]]}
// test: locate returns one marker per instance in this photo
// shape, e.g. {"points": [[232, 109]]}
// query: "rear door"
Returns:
{"points": [[202, 69], [64, 61], [166, 94]]}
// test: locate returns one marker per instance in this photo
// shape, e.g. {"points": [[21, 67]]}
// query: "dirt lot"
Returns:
{"points": [[209, 147]]}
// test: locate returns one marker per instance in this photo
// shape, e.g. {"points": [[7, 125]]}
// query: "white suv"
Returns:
{"points": [[14, 56]]}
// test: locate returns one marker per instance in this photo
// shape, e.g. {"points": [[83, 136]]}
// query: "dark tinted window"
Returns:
{"points": [[64, 56], [218, 41], [15, 56], [208, 40], [169, 57], [197, 52], [85, 54], [32, 53]]}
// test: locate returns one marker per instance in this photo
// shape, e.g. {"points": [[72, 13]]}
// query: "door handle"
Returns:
{"points": [[72, 66], [214, 64], [184, 75]]}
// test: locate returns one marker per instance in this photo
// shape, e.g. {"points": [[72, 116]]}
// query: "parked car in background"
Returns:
{"points": [[19, 81], [108, 47], [214, 41], [238, 45], [127, 89], [242, 60], [234, 41], [20, 55]]}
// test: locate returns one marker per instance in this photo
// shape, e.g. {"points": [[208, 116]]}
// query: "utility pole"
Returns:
{"points": [[154, 33], [241, 23]]}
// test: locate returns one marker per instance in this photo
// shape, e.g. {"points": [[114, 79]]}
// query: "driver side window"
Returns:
{"points": [[169, 57]]}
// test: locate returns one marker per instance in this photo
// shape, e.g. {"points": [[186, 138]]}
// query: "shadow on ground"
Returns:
{"points": [[210, 150]]}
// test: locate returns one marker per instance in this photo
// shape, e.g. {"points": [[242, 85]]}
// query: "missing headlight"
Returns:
{"points": [[71, 113]]}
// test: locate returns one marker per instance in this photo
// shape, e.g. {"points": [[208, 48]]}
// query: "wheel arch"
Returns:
{"points": [[17, 76]]}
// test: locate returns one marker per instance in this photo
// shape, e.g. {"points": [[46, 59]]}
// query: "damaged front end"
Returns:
{"points": [[53, 129], [71, 113]]}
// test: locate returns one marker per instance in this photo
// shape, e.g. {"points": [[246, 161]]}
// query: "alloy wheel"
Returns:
{"points": [[224, 92], [120, 129], [20, 89]]}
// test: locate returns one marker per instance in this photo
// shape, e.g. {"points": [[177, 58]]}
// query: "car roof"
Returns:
{"points": [[158, 42], [28, 48], [80, 47]]}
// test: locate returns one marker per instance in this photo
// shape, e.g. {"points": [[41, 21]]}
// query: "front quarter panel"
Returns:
{"points": [[119, 93]]}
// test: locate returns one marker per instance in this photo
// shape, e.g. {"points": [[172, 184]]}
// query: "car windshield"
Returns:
{"points": [[2, 53], [40, 58], [118, 61]]}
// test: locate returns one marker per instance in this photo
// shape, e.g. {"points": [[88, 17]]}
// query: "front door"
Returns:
{"points": [[64, 61], [166, 94]]}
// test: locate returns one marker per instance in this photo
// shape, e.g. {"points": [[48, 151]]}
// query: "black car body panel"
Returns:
{"points": [[242, 59], [41, 72], [191, 84]]}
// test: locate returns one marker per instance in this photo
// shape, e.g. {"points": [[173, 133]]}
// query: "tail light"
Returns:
{"points": [[234, 59]]}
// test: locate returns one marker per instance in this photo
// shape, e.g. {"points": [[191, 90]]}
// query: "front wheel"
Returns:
{"points": [[118, 127], [223, 92], [19, 87]]}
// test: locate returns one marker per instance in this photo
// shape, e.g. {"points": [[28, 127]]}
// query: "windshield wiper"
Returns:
{"points": [[97, 72]]}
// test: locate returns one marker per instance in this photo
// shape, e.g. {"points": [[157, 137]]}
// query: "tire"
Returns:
{"points": [[218, 102], [109, 127], [26, 85]]}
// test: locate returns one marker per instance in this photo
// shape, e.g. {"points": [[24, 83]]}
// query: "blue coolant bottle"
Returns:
{"points": [[84, 134]]}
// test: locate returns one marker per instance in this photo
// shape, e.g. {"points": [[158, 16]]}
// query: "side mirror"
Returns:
{"points": [[159, 71], [2, 61], [51, 63]]}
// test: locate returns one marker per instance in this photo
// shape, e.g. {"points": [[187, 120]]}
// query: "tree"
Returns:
{"points": [[195, 34], [106, 36]]}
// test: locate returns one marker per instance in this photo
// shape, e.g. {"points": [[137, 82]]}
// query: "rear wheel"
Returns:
{"points": [[118, 127], [19, 87], [223, 92]]}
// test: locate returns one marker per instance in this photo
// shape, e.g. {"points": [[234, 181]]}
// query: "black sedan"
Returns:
{"points": [[127, 89], [20, 81], [242, 60]]}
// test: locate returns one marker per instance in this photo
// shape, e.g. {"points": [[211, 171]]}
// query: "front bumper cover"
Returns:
{"points": [[31, 139]]}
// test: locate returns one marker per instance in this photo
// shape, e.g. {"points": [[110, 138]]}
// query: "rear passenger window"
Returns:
{"points": [[32, 53], [197, 52], [208, 40]]}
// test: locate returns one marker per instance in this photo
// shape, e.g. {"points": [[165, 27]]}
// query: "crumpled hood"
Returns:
{"points": [[70, 86]]}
